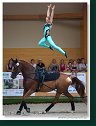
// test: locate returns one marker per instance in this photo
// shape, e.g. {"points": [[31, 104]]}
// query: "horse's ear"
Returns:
{"points": [[16, 60], [12, 59]]}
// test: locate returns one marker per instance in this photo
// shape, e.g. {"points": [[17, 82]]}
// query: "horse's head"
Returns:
{"points": [[16, 65]]}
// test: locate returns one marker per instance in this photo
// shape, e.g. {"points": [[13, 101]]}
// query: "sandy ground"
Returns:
{"points": [[59, 111]]}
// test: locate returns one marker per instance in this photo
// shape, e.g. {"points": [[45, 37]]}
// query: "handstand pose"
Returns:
{"points": [[46, 33]]}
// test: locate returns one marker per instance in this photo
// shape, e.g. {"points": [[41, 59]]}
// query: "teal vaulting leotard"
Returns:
{"points": [[48, 38]]}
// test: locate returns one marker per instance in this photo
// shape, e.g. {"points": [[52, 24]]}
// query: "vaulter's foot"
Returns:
{"points": [[66, 55], [51, 48]]}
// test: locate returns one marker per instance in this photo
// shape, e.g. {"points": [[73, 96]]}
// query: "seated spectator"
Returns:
{"points": [[69, 67], [53, 66], [40, 63], [71, 61], [62, 65], [33, 63], [74, 68], [78, 61], [82, 66], [9, 66], [49, 68]]}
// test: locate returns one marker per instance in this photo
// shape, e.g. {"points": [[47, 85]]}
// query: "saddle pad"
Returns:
{"points": [[50, 76]]}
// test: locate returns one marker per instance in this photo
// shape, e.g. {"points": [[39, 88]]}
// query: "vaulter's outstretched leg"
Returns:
{"points": [[42, 42], [51, 42]]}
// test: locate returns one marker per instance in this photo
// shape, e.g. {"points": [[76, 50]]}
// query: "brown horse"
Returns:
{"points": [[60, 85]]}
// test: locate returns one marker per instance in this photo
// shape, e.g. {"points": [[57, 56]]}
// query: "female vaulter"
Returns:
{"points": [[46, 33]]}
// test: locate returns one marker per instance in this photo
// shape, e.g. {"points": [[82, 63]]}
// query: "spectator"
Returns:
{"points": [[71, 61], [74, 67], [69, 67], [33, 63], [40, 63], [78, 61], [62, 65], [82, 66], [9, 66], [49, 68], [54, 66]]}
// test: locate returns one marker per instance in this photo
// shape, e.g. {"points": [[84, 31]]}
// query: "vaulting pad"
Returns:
{"points": [[50, 76], [44, 75]]}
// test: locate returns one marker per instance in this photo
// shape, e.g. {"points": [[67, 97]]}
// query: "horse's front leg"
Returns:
{"points": [[23, 104], [27, 92]]}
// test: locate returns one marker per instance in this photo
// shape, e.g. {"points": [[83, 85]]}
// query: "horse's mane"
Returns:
{"points": [[27, 63], [24, 61]]}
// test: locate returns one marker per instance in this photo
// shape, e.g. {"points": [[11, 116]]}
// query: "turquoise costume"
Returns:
{"points": [[48, 38]]}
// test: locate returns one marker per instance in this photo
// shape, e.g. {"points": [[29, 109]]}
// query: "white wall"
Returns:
{"points": [[26, 34]]}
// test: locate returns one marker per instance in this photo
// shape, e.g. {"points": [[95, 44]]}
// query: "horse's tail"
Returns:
{"points": [[79, 86]]}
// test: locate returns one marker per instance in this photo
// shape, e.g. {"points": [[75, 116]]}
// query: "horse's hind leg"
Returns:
{"points": [[71, 98], [54, 102], [82, 94], [84, 99]]}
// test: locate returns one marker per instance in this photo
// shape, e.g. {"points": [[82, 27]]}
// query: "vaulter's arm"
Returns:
{"points": [[52, 14], [48, 10]]}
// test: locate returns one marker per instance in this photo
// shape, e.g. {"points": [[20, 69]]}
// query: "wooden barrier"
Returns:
{"points": [[36, 53]]}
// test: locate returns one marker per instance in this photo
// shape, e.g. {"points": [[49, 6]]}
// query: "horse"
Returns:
{"points": [[60, 84]]}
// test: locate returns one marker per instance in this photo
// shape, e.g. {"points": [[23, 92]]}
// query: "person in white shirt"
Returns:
{"points": [[33, 63], [82, 66]]}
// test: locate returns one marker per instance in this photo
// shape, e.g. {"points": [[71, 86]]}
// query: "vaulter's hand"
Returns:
{"points": [[53, 7], [49, 5]]}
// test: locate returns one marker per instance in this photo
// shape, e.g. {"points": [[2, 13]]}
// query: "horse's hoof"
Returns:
{"points": [[44, 112], [18, 112], [28, 110], [72, 111]]}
